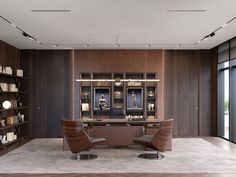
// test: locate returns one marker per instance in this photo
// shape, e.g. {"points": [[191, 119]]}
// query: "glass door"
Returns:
{"points": [[232, 112], [223, 100]]}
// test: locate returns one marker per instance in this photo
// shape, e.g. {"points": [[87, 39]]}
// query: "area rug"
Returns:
{"points": [[189, 155]]}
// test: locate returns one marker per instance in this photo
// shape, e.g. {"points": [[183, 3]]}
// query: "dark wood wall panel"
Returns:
{"points": [[205, 61], [9, 56], [214, 76], [51, 89], [188, 91]]}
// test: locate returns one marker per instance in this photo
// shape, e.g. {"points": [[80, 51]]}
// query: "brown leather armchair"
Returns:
{"points": [[157, 141], [78, 140]]}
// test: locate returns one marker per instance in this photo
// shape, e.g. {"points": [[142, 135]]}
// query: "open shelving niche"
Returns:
{"points": [[20, 127], [120, 94]]}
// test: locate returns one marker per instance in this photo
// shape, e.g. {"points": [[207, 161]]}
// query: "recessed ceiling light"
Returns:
{"points": [[178, 45]]}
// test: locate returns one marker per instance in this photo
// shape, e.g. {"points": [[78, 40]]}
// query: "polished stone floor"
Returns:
{"points": [[190, 157]]}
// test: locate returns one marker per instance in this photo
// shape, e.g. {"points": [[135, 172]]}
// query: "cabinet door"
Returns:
{"points": [[181, 91]]}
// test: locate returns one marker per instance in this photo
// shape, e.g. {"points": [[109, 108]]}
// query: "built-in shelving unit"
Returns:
{"points": [[14, 120], [135, 93]]}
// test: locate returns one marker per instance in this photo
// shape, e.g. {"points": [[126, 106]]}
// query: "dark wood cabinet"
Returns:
{"points": [[134, 94]]}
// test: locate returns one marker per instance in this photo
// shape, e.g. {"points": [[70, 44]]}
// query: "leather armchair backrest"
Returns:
{"points": [[76, 137], [162, 137]]}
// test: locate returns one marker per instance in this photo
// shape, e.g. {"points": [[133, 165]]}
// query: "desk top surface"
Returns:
{"points": [[119, 121]]}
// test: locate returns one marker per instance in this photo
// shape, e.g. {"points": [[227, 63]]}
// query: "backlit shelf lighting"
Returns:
{"points": [[114, 80]]}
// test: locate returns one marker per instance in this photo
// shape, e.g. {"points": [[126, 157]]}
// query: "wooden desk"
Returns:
{"points": [[119, 131]]}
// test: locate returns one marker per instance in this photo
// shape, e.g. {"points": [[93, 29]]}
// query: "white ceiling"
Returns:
{"points": [[135, 22]]}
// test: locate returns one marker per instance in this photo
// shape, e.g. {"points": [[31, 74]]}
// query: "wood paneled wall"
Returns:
{"points": [[50, 75], [9, 56], [120, 61], [189, 88], [185, 91]]}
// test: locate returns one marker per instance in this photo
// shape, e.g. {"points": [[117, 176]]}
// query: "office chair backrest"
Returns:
{"points": [[162, 137], [76, 137]]}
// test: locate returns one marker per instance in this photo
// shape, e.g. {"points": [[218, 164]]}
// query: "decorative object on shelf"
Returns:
{"points": [[8, 70], [101, 98], [117, 82], [4, 139], [10, 136], [6, 104], [3, 124], [117, 95], [150, 93], [20, 104], [86, 95], [12, 88], [20, 117], [131, 83], [85, 106], [134, 83], [19, 72], [135, 118], [151, 117], [4, 86], [12, 120], [134, 98], [102, 102], [151, 106], [0, 68], [3, 70]]}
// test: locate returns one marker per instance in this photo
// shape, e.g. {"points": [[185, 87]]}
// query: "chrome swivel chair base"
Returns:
{"points": [[84, 157], [157, 156]]}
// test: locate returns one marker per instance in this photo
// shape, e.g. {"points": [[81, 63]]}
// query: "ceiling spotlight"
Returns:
{"points": [[148, 46], [206, 37], [31, 38], [212, 34], [25, 34], [117, 45], [178, 45], [55, 45], [12, 24], [86, 45], [224, 25]]}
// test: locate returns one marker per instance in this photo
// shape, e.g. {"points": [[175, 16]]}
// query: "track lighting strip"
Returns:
{"points": [[213, 33], [22, 31]]}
